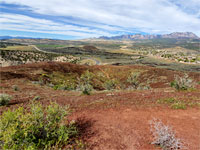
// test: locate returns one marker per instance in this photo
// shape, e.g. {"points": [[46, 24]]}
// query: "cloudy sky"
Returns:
{"points": [[78, 19]]}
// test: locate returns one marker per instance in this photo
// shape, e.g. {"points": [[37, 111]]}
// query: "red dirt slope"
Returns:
{"points": [[114, 120]]}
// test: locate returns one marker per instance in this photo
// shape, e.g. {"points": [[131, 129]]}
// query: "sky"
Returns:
{"points": [[79, 19]]}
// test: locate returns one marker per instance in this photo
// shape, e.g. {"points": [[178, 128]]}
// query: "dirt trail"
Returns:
{"points": [[38, 49]]}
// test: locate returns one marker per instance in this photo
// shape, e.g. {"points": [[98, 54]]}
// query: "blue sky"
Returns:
{"points": [[79, 19]]}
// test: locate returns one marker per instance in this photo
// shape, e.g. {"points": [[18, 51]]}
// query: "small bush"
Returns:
{"points": [[63, 86], [174, 104], [182, 83], [166, 100], [178, 105], [4, 99], [110, 84], [36, 98], [143, 86], [15, 88], [86, 89], [56, 87], [87, 77], [85, 83], [133, 80], [192, 104], [164, 136], [38, 128]]}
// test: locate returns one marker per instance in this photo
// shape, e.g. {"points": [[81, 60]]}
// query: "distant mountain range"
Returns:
{"points": [[174, 35]]}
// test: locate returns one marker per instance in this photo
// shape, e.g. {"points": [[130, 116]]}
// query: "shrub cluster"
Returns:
{"points": [[178, 105], [174, 104], [88, 81], [182, 83], [85, 82], [36, 128], [110, 84], [133, 80], [4, 99]]}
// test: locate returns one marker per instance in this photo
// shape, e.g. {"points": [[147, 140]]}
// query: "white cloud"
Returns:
{"points": [[149, 16], [26, 23]]}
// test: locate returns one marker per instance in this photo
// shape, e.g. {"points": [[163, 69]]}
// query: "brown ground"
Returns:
{"points": [[110, 120]]}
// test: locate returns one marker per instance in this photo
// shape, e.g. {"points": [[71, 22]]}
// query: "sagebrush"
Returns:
{"points": [[85, 82], [183, 83], [5, 99], [164, 136], [133, 79], [110, 84]]}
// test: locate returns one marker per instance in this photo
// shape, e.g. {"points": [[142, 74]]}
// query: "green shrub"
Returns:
{"points": [[133, 80], [174, 104], [143, 86], [178, 105], [4, 99], [68, 86], [193, 104], [87, 77], [182, 83], [166, 100], [36, 98], [38, 128], [110, 84], [64, 87], [56, 87], [15, 88], [85, 82], [86, 89]]}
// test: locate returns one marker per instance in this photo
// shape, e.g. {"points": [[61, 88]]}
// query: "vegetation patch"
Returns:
{"points": [[49, 46], [133, 79], [36, 98], [5, 99], [19, 48], [166, 101], [164, 136], [178, 105], [89, 62], [182, 83], [111, 84], [15, 88], [36, 128], [85, 82], [16, 57], [61, 81]]}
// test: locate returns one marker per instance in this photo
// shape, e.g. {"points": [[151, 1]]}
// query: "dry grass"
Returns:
{"points": [[20, 48]]}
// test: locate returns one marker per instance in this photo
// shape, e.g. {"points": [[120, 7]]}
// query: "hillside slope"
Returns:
{"points": [[111, 119]]}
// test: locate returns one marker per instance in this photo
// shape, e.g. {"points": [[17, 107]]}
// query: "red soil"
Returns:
{"points": [[127, 128], [110, 120]]}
